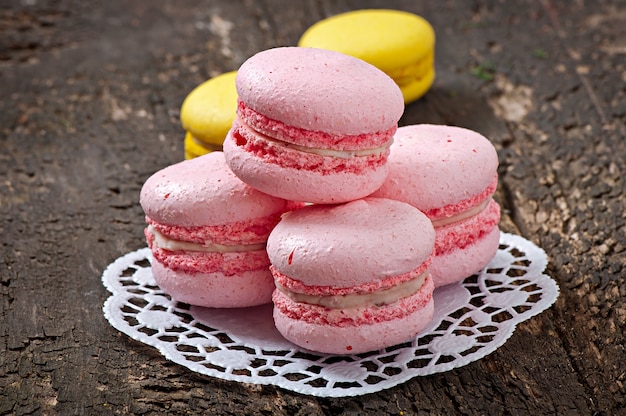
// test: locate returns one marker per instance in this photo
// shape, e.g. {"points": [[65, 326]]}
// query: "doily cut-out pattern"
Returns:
{"points": [[472, 319]]}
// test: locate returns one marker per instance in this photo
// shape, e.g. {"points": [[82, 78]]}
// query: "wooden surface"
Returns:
{"points": [[90, 96]]}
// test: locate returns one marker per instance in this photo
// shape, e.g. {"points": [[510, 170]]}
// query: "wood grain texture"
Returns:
{"points": [[91, 94]]}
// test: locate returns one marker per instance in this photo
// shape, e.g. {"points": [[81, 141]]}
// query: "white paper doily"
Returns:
{"points": [[472, 319]]}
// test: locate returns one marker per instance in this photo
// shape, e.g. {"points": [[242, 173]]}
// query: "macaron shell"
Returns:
{"points": [[216, 290], [431, 166], [459, 264], [204, 191], [388, 39], [350, 244], [210, 108], [320, 90], [300, 184], [333, 339]]}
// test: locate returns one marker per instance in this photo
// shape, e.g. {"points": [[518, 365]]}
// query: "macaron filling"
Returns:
{"points": [[299, 285], [366, 314], [343, 154], [459, 208], [166, 243], [228, 263], [287, 155], [475, 210], [460, 235], [355, 300], [283, 132], [253, 231], [413, 72], [206, 145]]}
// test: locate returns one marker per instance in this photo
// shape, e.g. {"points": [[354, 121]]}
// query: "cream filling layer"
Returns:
{"points": [[342, 154], [414, 71], [475, 210], [206, 145], [207, 247], [355, 300]]}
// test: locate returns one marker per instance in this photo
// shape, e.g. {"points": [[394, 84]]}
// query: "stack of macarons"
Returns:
{"points": [[317, 126], [320, 204]]}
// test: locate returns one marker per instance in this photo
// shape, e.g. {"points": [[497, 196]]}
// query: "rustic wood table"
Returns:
{"points": [[89, 108]]}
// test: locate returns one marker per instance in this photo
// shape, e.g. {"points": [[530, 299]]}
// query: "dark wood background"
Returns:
{"points": [[90, 94]]}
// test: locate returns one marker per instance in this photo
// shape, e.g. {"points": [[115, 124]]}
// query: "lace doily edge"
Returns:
{"points": [[540, 261]]}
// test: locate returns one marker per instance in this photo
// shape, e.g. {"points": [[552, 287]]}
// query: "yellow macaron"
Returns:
{"points": [[195, 148], [208, 113], [399, 43]]}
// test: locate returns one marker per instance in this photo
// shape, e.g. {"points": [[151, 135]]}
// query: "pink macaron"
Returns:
{"points": [[312, 125], [352, 277], [208, 231], [450, 174]]}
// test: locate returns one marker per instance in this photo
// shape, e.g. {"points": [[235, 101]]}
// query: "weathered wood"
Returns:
{"points": [[90, 100]]}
